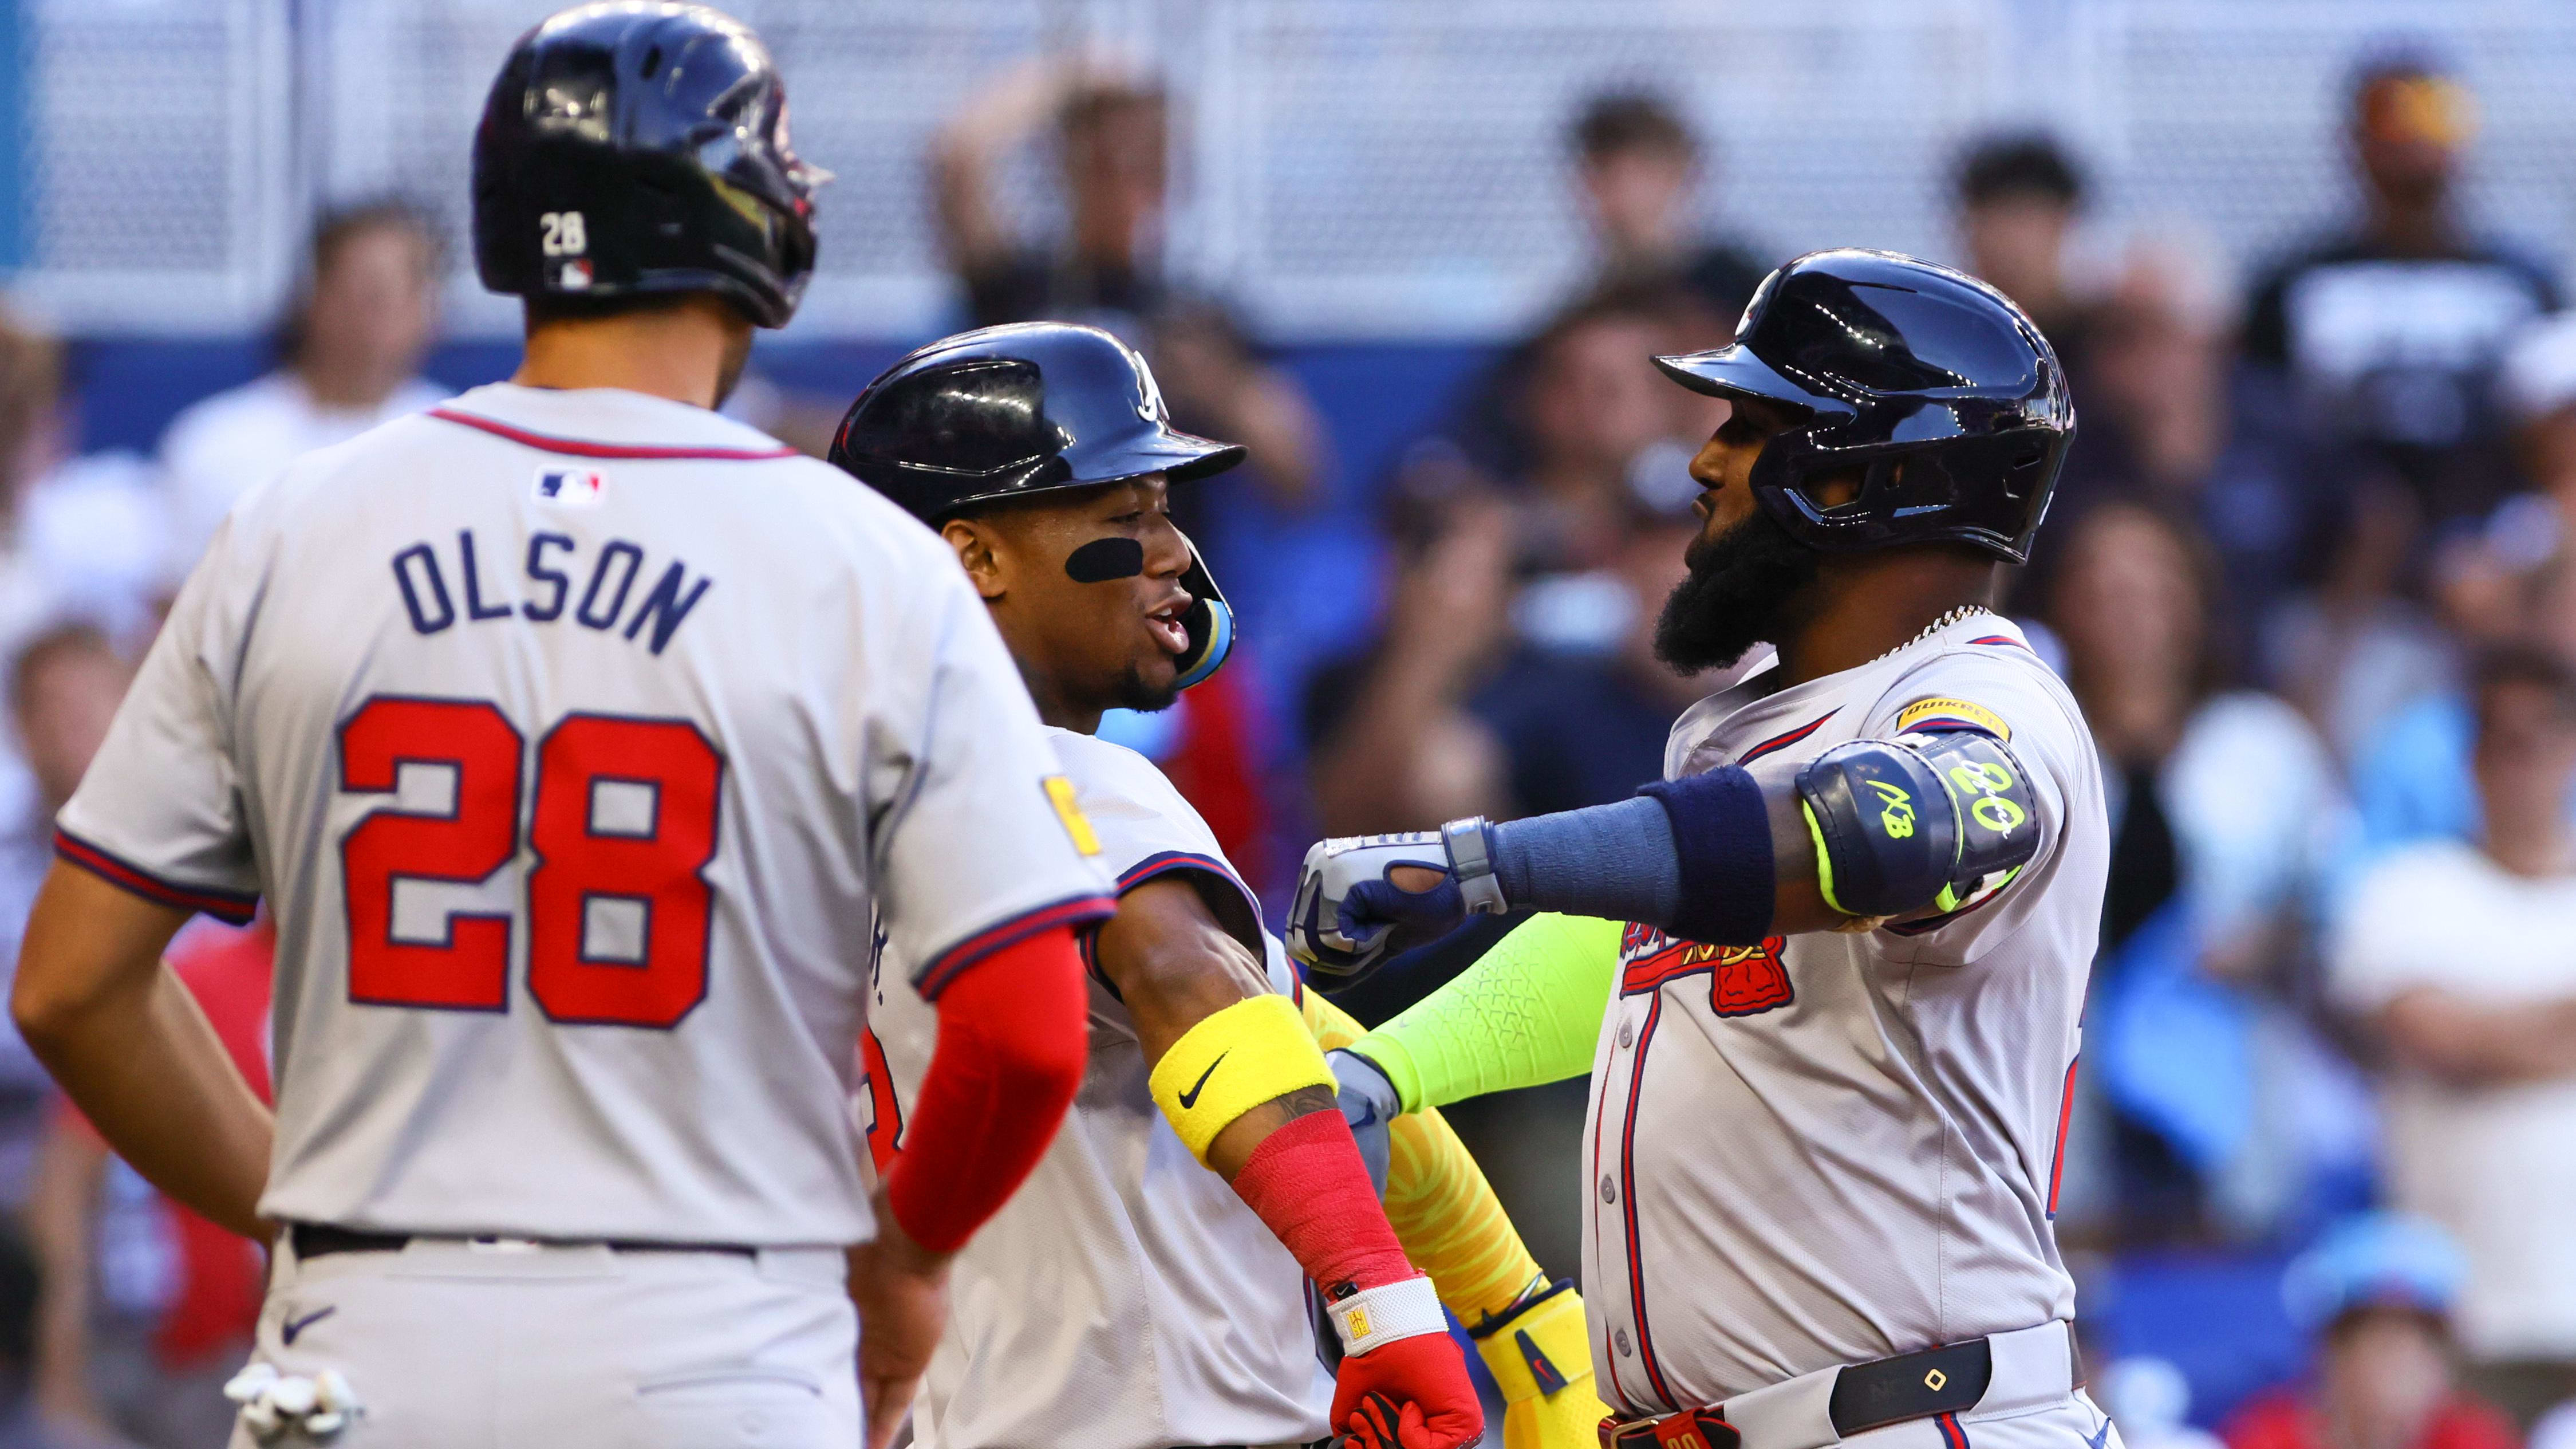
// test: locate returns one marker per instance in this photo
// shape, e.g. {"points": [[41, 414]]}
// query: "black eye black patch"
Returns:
{"points": [[1105, 559]]}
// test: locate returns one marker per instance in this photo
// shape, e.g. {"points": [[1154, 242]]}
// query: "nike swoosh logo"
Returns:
{"points": [[294, 1326], [2100, 1434], [1190, 1098]]}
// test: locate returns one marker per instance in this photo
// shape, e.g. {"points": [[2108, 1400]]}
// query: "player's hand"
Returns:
{"points": [[1413, 1393], [901, 1290], [1355, 891], [1369, 1104], [1541, 1358]]}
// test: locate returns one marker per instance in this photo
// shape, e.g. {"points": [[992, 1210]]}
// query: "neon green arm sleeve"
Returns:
{"points": [[1528, 1012]]}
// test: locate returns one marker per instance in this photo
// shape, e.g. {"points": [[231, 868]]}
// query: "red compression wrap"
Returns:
{"points": [[1308, 1186], [1012, 1038]]}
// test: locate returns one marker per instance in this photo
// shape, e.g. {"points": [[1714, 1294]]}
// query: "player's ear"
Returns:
{"points": [[974, 547]]}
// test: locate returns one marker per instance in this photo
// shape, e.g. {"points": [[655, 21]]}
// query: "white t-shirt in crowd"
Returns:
{"points": [[221, 447], [2494, 1164]]}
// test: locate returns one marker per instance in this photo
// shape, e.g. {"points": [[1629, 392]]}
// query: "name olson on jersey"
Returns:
{"points": [[595, 591]]}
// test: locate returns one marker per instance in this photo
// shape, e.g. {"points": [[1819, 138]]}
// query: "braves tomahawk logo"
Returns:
{"points": [[1743, 980]]}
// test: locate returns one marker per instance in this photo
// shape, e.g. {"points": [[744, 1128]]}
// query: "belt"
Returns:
{"points": [[321, 1240], [1997, 1374]]}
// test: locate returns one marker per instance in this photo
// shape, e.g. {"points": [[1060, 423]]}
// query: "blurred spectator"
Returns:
{"points": [[1109, 135], [349, 356], [2390, 327], [2019, 196], [2378, 1291], [2356, 649], [1388, 745], [2460, 957], [2165, 427], [64, 687], [156, 1374], [2206, 1088], [1581, 711], [1217, 385], [1586, 428], [23, 1296], [1640, 171], [1109, 138], [2510, 579], [2150, 1399]]}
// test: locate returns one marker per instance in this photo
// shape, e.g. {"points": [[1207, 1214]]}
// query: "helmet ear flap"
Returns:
{"points": [[1208, 621]]}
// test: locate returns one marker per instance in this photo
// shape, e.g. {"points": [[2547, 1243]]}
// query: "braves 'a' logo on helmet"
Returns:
{"points": [[1743, 980]]}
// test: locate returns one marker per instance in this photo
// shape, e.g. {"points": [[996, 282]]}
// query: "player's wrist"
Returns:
{"points": [[898, 1246], [1366, 1319]]}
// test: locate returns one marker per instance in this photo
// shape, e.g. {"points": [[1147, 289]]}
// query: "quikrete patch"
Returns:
{"points": [[1943, 713]]}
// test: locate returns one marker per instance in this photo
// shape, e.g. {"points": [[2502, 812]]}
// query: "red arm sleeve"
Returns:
{"points": [[1012, 1041]]}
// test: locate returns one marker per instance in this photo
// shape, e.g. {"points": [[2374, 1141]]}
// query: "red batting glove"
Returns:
{"points": [[1413, 1393]]}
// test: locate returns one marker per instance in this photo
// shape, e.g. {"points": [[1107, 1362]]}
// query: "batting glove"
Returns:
{"points": [[1540, 1355], [1406, 1386], [1345, 914]]}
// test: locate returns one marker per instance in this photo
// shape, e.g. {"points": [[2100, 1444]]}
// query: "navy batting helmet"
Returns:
{"points": [[1930, 381], [632, 148], [1032, 408]]}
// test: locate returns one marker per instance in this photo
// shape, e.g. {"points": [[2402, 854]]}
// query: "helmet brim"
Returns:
{"points": [[1176, 455], [1735, 372]]}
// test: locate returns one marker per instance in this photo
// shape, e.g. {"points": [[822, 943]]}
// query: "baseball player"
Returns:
{"points": [[1837, 954], [574, 734], [1177, 1311]]}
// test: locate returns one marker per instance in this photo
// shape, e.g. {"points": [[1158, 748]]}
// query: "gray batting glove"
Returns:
{"points": [[1369, 1104], [1343, 918]]}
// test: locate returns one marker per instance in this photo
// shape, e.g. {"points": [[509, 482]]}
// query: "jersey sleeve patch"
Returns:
{"points": [[1068, 809], [1942, 712]]}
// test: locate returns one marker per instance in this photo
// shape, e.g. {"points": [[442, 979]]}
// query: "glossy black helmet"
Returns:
{"points": [[1930, 381], [632, 148], [1018, 411]]}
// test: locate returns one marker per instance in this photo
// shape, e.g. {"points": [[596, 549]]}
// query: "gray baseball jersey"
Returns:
{"points": [[572, 737], [1126, 1298], [1833, 1147]]}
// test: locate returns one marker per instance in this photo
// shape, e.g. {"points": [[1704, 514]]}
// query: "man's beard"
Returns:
{"points": [[1739, 581], [1142, 695]]}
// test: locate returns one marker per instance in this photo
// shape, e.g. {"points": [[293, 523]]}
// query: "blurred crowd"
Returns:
{"points": [[2311, 571]]}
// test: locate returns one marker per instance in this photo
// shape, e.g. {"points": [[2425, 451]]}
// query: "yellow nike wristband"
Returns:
{"points": [[1252, 1052]]}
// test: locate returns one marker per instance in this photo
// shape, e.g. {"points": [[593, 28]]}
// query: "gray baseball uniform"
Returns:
{"points": [[573, 738], [1126, 1298], [1839, 1147]]}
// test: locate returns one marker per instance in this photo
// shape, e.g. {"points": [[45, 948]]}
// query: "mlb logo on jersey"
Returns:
{"points": [[571, 487]]}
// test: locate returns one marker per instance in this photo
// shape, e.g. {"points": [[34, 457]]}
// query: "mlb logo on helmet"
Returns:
{"points": [[571, 487]]}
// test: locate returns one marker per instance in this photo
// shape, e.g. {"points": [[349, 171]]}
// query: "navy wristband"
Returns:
{"points": [[1722, 832]]}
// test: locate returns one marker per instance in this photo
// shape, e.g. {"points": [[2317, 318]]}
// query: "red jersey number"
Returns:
{"points": [[618, 909]]}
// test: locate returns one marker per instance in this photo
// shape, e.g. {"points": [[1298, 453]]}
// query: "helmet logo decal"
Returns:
{"points": [[1149, 403], [1105, 560]]}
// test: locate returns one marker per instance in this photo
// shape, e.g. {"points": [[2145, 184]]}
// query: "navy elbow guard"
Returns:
{"points": [[1921, 820]]}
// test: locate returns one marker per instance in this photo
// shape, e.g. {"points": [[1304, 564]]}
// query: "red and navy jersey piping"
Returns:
{"points": [[1628, 1203], [1781, 742], [945, 967], [229, 906], [584, 448]]}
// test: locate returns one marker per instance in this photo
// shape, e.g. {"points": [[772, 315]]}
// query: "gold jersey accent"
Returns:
{"points": [[1940, 709]]}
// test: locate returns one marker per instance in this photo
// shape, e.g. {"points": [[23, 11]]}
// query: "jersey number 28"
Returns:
{"points": [[624, 823]]}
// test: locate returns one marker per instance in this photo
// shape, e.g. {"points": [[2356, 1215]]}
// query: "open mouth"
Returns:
{"points": [[1165, 622]]}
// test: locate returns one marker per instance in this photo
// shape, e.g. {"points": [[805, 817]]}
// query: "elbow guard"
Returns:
{"points": [[1920, 820]]}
